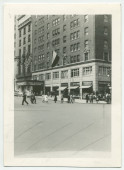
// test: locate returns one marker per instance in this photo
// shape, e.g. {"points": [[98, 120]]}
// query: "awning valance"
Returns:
{"points": [[74, 87], [29, 83], [85, 87], [61, 88]]}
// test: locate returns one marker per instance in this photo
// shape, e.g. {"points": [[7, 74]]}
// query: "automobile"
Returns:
{"points": [[18, 93]]}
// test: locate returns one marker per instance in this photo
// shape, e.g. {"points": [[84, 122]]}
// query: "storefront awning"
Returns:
{"points": [[61, 88], [29, 83], [85, 87], [74, 87]]}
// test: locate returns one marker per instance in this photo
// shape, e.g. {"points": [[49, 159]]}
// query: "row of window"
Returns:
{"points": [[24, 30], [73, 35], [64, 74], [24, 50], [73, 47], [104, 70], [74, 73], [24, 40]]}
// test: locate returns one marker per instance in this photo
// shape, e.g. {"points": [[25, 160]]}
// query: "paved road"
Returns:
{"points": [[62, 130]]}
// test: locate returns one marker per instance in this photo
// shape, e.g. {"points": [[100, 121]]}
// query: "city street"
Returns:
{"points": [[62, 130]]}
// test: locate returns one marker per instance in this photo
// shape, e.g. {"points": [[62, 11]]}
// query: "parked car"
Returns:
{"points": [[18, 93]]}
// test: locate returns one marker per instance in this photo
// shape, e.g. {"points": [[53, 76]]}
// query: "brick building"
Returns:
{"points": [[82, 44]]}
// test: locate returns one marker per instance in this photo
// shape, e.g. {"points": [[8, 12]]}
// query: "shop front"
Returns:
{"points": [[29, 85], [63, 89], [87, 88], [104, 87], [74, 89]]}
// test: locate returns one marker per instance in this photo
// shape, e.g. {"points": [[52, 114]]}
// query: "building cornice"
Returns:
{"points": [[73, 64]]}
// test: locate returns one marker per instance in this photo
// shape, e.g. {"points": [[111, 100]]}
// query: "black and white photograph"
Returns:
{"points": [[62, 85]]}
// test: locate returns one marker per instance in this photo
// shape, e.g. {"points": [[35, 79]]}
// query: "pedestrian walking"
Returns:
{"points": [[87, 98], [71, 98], [46, 98], [33, 98], [91, 98], [24, 98], [55, 98], [62, 98], [97, 98], [68, 98]]}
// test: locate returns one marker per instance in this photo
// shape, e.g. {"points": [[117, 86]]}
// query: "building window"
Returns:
{"points": [[39, 58], [104, 70], [74, 59], [35, 23], [48, 25], [29, 28], [64, 50], [64, 74], [41, 20], [75, 47], [106, 56], [55, 75], [24, 50], [56, 32], [35, 32], [48, 35], [19, 42], [29, 38], [19, 33], [41, 77], [85, 18], [74, 35], [41, 47], [34, 77], [86, 56], [64, 27], [24, 40], [86, 31], [75, 72], [74, 23], [105, 44], [105, 30], [24, 31], [87, 70], [42, 57], [35, 50], [48, 45], [105, 18], [48, 76], [64, 39], [56, 22], [19, 52], [41, 30], [86, 44], [56, 42], [29, 49]]}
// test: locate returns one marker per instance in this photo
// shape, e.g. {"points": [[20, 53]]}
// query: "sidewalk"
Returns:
{"points": [[76, 100]]}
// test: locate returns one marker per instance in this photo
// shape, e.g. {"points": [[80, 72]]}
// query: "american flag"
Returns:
{"points": [[28, 62]]}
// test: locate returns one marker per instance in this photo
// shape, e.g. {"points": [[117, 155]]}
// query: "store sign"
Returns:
{"points": [[75, 84], [87, 83], [64, 84]]}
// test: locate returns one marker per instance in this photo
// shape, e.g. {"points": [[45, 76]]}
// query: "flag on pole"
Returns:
{"points": [[55, 59]]}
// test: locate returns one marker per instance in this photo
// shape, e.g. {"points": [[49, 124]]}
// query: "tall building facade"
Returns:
{"points": [[24, 53], [81, 46]]}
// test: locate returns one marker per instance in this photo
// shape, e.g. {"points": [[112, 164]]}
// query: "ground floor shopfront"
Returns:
{"points": [[78, 80]]}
